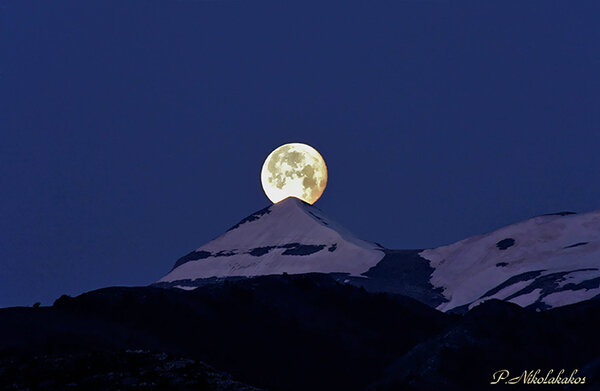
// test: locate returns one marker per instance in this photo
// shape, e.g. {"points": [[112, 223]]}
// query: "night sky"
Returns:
{"points": [[134, 131]]}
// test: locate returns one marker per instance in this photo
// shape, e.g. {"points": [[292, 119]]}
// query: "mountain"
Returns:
{"points": [[544, 262], [287, 299], [292, 333], [287, 332], [290, 236]]}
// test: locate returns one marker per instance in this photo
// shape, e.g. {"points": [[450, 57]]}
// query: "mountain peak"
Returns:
{"points": [[288, 206], [290, 236]]}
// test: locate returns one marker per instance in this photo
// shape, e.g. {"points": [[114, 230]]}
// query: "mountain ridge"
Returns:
{"points": [[291, 332], [542, 262]]}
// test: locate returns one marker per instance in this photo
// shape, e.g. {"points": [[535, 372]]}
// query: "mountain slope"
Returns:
{"points": [[543, 262], [499, 335], [290, 236], [116, 370]]}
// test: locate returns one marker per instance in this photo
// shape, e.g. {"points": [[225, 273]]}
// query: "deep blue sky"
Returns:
{"points": [[134, 131]]}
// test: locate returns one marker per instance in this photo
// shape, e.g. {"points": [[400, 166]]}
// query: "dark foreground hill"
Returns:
{"points": [[301, 332], [113, 370]]}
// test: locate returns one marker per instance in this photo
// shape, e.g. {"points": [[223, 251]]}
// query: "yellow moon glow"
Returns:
{"points": [[294, 170]]}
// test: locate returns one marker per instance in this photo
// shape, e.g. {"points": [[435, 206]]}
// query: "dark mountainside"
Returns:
{"points": [[280, 333], [111, 370]]}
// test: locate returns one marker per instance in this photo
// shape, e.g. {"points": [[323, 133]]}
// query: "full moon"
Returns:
{"points": [[294, 170]]}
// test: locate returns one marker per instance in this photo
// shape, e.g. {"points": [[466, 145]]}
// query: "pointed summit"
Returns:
{"points": [[290, 236]]}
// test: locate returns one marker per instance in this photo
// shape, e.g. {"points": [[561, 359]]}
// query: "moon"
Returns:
{"points": [[294, 170]]}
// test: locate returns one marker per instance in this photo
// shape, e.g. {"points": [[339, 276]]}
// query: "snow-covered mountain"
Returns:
{"points": [[547, 261], [290, 236], [543, 262]]}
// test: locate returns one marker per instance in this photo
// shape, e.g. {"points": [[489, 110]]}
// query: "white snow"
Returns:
{"points": [[569, 297], [289, 221], [527, 299], [467, 269], [185, 288], [503, 293], [579, 276]]}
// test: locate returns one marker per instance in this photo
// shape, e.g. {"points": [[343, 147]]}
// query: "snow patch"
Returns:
{"points": [[185, 288], [527, 298], [566, 297]]}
